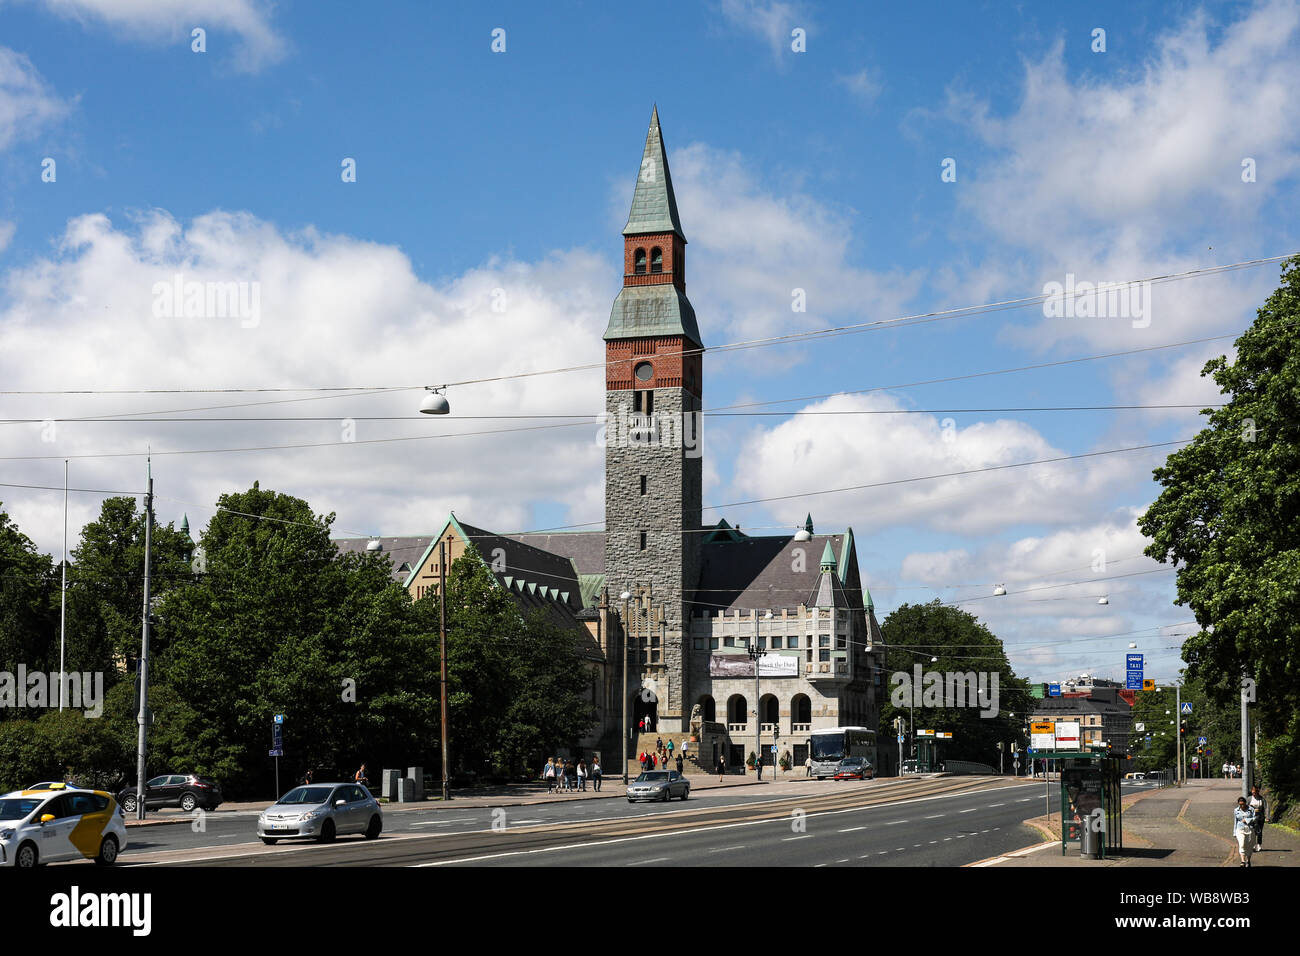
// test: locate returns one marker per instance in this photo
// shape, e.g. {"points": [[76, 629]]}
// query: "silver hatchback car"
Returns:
{"points": [[321, 811]]}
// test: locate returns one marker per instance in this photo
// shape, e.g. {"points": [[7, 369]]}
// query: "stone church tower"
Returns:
{"points": [[653, 389]]}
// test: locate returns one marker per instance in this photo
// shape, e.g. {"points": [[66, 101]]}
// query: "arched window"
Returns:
{"points": [[708, 709], [638, 262], [737, 709], [656, 259], [800, 709], [770, 709]]}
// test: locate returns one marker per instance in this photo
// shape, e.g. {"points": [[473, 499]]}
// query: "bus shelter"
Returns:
{"points": [[1091, 810]]}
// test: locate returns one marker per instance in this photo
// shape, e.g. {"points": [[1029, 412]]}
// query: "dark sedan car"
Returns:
{"points": [[184, 790], [854, 768]]}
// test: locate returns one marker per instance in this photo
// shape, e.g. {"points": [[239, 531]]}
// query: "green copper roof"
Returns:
{"points": [[651, 310], [828, 557], [654, 207], [808, 525]]}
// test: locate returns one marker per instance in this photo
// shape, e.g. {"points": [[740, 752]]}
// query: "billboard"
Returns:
{"points": [[739, 665]]}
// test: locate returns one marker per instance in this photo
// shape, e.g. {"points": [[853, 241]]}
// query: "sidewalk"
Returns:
{"points": [[510, 795], [1173, 826]]}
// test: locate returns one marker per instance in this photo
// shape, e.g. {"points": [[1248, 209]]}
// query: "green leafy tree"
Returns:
{"points": [[1229, 517], [29, 616], [913, 634]]}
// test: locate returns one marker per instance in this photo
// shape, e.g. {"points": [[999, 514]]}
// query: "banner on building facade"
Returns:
{"points": [[739, 665]]}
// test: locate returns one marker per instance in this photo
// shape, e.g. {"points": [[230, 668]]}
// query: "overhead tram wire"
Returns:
{"points": [[903, 321]]}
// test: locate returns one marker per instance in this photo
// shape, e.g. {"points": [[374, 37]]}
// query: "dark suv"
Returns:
{"points": [[184, 790]]}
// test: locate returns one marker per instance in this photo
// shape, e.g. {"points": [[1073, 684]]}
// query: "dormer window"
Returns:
{"points": [[638, 262], [656, 259]]}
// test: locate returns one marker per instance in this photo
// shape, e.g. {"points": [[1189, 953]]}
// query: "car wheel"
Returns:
{"points": [[630, 800], [668, 794], [372, 831], [270, 841], [188, 803], [128, 803], [107, 851], [26, 857], [326, 832], [686, 793]]}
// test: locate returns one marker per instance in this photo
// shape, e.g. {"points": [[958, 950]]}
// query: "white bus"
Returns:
{"points": [[828, 747]]}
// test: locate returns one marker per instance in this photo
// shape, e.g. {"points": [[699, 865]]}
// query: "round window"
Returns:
{"points": [[644, 372]]}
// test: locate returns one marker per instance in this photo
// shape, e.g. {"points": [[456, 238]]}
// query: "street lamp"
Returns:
{"points": [[435, 403], [625, 597], [1000, 590], [754, 655]]}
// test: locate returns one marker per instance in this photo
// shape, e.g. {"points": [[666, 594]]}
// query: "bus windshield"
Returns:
{"points": [[828, 747]]}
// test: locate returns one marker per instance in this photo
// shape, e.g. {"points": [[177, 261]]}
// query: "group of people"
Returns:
{"points": [[564, 775], [1231, 770], [1248, 825], [662, 756]]}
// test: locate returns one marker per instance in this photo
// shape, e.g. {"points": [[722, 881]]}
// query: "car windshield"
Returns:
{"points": [[15, 808], [653, 776], [311, 795]]}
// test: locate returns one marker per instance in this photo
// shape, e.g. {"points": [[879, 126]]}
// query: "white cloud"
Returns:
{"points": [[333, 311], [27, 102], [171, 21], [865, 85], [758, 246], [771, 20], [808, 452]]}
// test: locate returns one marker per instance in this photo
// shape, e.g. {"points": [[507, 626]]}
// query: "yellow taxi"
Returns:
{"points": [[60, 823]]}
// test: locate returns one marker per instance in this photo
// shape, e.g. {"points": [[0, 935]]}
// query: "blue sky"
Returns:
{"points": [[817, 170]]}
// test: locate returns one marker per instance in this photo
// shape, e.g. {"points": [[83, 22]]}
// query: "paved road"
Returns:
{"points": [[925, 822]]}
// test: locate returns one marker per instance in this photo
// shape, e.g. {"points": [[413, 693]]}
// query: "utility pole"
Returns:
{"points": [[1178, 734], [142, 717], [442, 658], [626, 633], [63, 593], [1245, 746]]}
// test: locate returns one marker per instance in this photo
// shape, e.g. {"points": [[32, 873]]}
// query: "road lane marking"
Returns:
{"points": [[992, 805], [702, 829], [852, 829], [804, 836], [658, 859], [892, 823], [973, 809], [935, 816], [724, 849]]}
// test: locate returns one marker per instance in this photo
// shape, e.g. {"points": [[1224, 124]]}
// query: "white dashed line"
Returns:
{"points": [[935, 816], [852, 829], [803, 837], [658, 859]]}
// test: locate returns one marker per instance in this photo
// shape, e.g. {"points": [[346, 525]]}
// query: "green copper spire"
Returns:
{"points": [[808, 525], [828, 558], [654, 207]]}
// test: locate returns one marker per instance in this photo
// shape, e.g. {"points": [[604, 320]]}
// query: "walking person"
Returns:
{"points": [[1256, 804], [548, 772], [582, 775], [595, 774], [722, 767], [571, 775], [807, 767], [680, 763], [1243, 828], [659, 744], [360, 777]]}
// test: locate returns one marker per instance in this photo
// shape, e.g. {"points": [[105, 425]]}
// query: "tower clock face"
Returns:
{"points": [[644, 372]]}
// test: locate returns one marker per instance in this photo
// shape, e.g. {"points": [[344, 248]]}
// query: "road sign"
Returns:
{"points": [[1042, 727], [1186, 708], [1139, 726], [275, 753], [1133, 680], [900, 738], [1148, 685], [1202, 741], [773, 748], [1053, 690], [279, 718], [944, 735], [925, 733], [1067, 735], [1133, 662]]}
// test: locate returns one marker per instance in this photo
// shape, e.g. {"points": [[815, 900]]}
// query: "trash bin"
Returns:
{"points": [[1090, 843]]}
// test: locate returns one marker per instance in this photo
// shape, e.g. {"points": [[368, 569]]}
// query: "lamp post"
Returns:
{"points": [[625, 597], [754, 654]]}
